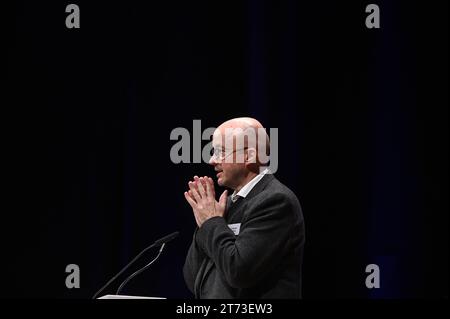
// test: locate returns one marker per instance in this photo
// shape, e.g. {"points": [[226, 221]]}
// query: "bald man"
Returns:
{"points": [[248, 244]]}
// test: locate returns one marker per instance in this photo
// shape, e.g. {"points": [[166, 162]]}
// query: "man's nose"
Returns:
{"points": [[212, 161]]}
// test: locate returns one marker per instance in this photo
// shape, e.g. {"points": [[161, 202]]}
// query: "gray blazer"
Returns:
{"points": [[263, 261]]}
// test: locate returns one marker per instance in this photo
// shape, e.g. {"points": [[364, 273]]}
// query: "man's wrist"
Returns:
{"points": [[205, 229], [208, 219]]}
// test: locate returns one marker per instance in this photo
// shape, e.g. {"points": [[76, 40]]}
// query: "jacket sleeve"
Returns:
{"points": [[245, 259], [192, 263]]}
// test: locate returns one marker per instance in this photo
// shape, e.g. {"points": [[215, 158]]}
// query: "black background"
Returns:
{"points": [[361, 114]]}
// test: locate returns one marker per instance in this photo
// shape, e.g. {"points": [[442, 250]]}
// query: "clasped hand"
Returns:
{"points": [[202, 198]]}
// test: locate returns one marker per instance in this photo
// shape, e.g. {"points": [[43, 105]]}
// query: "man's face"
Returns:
{"points": [[227, 161]]}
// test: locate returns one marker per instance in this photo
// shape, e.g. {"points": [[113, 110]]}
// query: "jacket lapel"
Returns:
{"points": [[260, 186]]}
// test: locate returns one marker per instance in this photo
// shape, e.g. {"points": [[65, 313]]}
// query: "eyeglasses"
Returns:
{"points": [[220, 154]]}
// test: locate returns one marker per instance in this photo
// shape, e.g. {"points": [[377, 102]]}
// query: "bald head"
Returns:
{"points": [[241, 122], [244, 132]]}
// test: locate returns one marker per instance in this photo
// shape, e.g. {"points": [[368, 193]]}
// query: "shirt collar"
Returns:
{"points": [[249, 186]]}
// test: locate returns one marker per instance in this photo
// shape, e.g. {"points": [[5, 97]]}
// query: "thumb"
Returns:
{"points": [[223, 198]]}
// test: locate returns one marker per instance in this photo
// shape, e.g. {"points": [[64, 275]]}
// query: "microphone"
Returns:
{"points": [[160, 242], [165, 239]]}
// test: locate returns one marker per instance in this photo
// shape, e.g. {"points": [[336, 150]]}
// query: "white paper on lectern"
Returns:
{"points": [[127, 297]]}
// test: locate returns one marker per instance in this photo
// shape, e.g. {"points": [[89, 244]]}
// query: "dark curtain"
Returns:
{"points": [[363, 137]]}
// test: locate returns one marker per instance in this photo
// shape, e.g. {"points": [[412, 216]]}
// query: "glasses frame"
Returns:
{"points": [[224, 156]]}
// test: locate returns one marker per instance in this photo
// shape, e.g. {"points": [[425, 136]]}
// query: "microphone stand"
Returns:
{"points": [[160, 242], [139, 271]]}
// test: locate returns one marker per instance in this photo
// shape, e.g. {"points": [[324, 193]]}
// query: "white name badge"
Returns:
{"points": [[235, 228]]}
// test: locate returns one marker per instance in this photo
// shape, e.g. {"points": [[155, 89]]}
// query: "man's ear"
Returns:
{"points": [[250, 156], [251, 160]]}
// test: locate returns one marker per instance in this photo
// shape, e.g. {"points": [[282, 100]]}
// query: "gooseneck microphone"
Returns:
{"points": [[139, 271], [165, 239], [160, 242]]}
